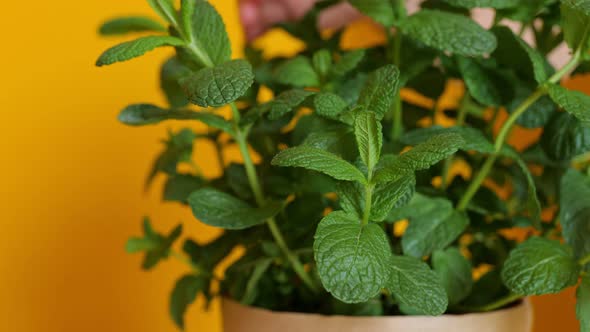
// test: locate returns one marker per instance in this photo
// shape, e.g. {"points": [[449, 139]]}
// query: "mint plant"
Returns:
{"points": [[352, 193]]}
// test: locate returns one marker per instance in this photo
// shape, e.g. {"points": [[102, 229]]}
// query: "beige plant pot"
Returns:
{"points": [[239, 318]]}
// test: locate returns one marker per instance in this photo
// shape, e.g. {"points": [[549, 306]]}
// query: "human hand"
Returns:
{"points": [[259, 15]]}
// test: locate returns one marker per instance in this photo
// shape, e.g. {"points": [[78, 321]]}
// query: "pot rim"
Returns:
{"points": [[524, 304]]}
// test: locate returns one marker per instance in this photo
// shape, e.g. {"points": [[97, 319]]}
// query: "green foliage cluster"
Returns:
{"points": [[317, 213]]}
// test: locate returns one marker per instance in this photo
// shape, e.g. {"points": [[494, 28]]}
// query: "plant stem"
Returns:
{"points": [[368, 203], [585, 260], [499, 303], [254, 182], [507, 128]]}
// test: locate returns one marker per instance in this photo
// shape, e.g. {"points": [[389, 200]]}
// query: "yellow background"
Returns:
{"points": [[72, 177]]}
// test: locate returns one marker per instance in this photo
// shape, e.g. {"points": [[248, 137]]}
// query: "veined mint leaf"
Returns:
{"points": [[574, 102], [434, 232], [583, 304], [540, 266], [380, 90], [538, 114], [353, 259], [449, 32], [318, 160], [565, 137], [184, 294], [164, 8], [454, 272], [147, 114], [575, 20], [580, 5], [480, 87], [348, 61], [209, 33], [135, 48], [219, 85], [390, 195], [219, 209], [534, 206], [497, 4], [129, 24], [369, 137], [187, 11], [172, 71], [379, 10], [329, 105], [415, 285], [297, 72], [287, 101], [574, 213], [351, 197], [473, 139], [538, 61], [421, 157]]}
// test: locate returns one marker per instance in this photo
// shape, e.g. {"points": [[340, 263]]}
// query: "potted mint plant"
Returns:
{"points": [[352, 207]]}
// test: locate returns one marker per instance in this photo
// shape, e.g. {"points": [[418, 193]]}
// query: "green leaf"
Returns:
{"points": [[538, 114], [129, 24], [498, 4], [380, 90], [352, 259], [322, 62], [318, 160], [390, 195], [147, 114], [369, 138], [297, 72], [251, 287], [220, 85], [574, 102], [537, 60], [454, 272], [565, 137], [286, 102], [136, 48], [219, 209], [480, 86], [172, 71], [540, 266], [575, 19], [178, 187], [329, 105], [187, 11], [164, 8], [351, 196], [209, 34], [583, 304], [473, 139], [208, 256], [449, 32], [422, 156], [415, 285], [435, 232], [156, 246], [184, 293], [379, 10], [533, 204], [574, 213], [179, 149], [348, 61]]}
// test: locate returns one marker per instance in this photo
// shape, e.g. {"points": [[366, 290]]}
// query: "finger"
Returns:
{"points": [[338, 16]]}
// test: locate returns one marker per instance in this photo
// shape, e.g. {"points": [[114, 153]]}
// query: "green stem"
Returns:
{"points": [[254, 182], [585, 260], [499, 303], [507, 128]]}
